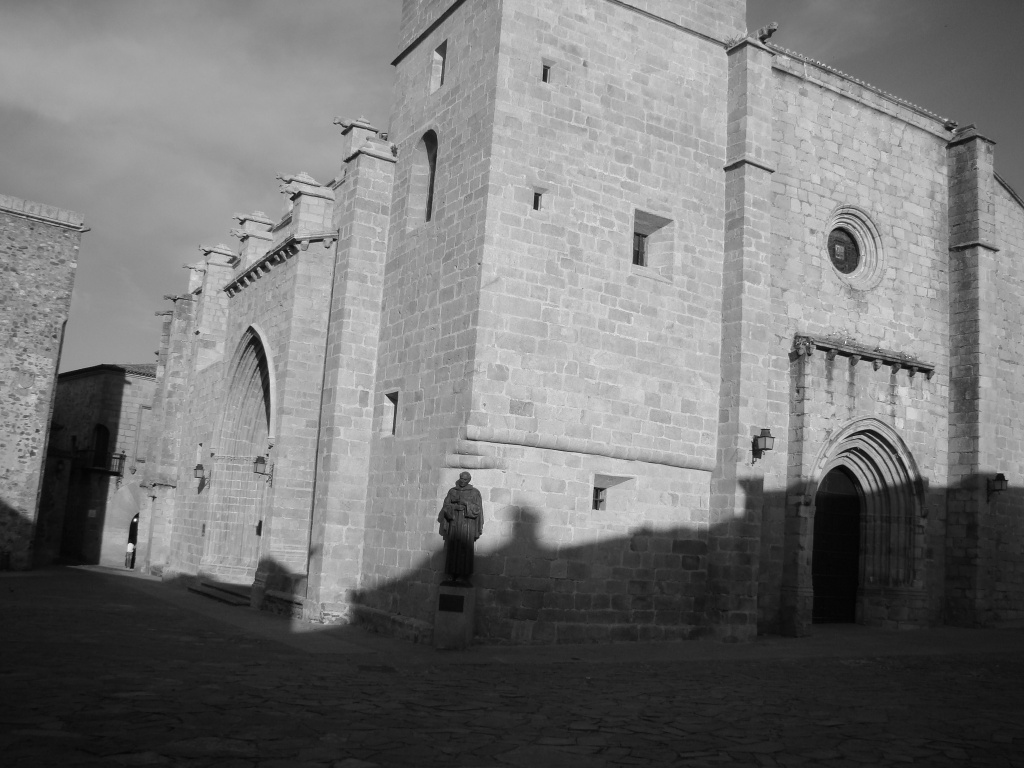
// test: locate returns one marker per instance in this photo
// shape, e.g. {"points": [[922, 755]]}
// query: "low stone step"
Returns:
{"points": [[230, 594]]}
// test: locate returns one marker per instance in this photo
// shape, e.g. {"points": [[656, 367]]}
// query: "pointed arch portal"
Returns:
{"points": [[856, 539], [238, 496]]}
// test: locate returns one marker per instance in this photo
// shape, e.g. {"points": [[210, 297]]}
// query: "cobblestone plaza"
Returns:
{"points": [[109, 669]]}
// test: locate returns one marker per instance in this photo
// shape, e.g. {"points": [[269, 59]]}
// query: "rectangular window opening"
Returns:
{"points": [[600, 498], [653, 246], [439, 66], [389, 424], [537, 196], [545, 73], [639, 249]]}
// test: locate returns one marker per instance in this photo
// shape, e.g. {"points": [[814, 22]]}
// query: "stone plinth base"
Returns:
{"points": [[454, 617]]}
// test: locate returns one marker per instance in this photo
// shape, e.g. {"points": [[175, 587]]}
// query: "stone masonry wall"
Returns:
{"points": [[38, 257], [362, 212], [429, 310], [119, 401], [197, 410], [840, 145], [290, 309], [593, 371], [1004, 532], [206, 399], [721, 19], [164, 464]]}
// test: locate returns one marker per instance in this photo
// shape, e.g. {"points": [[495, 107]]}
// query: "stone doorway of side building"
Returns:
{"points": [[835, 558]]}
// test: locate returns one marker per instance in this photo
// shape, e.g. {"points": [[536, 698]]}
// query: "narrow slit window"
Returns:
{"points": [[537, 197], [389, 423], [439, 66], [545, 73], [431, 144], [600, 498]]}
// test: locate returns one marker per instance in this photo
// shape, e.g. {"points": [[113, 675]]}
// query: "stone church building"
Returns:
{"points": [[728, 340]]}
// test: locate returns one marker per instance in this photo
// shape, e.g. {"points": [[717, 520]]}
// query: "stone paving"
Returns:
{"points": [[102, 669]]}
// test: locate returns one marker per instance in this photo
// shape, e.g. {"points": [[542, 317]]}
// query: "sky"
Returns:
{"points": [[159, 120]]}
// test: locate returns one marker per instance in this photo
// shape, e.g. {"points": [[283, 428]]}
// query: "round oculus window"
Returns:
{"points": [[843, 250]]}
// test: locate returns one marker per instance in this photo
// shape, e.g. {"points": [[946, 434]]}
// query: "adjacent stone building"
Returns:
{"points": [[95, 463], [38, 257], [726, 338]]}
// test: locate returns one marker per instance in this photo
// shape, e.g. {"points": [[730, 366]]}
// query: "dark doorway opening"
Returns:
{"points": [[133, 539], [835, 563]]}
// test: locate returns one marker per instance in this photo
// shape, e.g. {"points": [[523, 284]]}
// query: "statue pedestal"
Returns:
{"points": [[455, 617]]}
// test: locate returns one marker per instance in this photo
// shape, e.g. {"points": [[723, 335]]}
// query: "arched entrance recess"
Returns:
{"points": [[238, 496], [835, 555], [883, 475]]}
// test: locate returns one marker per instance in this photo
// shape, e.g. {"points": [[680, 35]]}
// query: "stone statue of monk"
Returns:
{"points": [[462, 522]]}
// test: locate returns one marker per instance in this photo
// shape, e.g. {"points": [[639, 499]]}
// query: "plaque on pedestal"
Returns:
{"points": [[454, 617]]}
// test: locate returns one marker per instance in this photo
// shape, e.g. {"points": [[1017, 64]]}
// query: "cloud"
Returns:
{"points": [[159, 120]]}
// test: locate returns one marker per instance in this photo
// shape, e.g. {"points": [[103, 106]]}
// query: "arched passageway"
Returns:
{"points": [[835, 559]]}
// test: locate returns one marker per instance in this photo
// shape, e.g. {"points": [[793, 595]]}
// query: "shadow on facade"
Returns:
{"points": [[840, 550], [835, 551], [15, 532], [90, 493]]}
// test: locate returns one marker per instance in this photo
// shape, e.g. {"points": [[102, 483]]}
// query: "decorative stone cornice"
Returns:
{"points": [[806, 346], [703, 461], [276, 256], [48, 214]]}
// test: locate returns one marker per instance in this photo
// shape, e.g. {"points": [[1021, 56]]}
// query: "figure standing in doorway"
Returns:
{"points": [[133, 536], [462, 522]]}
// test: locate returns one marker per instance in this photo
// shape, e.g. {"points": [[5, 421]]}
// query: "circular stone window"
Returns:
{"points": [[843, 251], [854, 248]]}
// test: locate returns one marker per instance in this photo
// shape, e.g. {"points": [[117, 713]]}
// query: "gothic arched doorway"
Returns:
{"points": [[865, 463], [238, 494], [835, 558]]}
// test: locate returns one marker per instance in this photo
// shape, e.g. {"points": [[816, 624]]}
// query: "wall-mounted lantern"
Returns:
{"points": [[259, 466], [199, 473], [763, 443], [997, 484]]}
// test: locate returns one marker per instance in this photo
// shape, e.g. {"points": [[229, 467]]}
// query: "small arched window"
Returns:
{"points": [[421, 187]]}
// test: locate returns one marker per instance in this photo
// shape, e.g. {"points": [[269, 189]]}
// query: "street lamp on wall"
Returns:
{"points": [[997, 484], [763, 443], [199, 473], [261, 467]]}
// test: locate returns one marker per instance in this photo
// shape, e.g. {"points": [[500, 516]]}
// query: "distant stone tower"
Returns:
{"points": [[38, 258]]}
